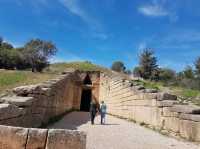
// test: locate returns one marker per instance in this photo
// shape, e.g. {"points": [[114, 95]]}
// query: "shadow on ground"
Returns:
{"points": [[74, 120]]}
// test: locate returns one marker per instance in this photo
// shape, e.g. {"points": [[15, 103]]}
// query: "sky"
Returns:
{"points": [[103, 31]]}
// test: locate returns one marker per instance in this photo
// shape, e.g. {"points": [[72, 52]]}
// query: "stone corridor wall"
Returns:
{"points": [[160, 111], [32, 138], [36, 105]]}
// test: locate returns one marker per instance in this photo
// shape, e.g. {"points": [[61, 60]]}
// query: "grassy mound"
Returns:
{"points": [[13, 78], [83, 66]]}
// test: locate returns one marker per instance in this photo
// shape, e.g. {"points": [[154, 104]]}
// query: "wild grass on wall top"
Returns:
{"points": [[83, 66], [12, 78]]}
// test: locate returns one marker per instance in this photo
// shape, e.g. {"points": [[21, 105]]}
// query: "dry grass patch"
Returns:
{"points": [[12, 78]]}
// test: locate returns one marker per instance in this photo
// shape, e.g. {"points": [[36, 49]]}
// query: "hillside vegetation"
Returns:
{"points": [[185, 95], [83, 66], [13, 78]]}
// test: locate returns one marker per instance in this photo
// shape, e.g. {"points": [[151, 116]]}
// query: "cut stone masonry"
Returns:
{"points": [[161, 111]]}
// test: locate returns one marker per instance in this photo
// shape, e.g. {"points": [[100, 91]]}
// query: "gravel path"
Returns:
{"points": [[119, 134]]}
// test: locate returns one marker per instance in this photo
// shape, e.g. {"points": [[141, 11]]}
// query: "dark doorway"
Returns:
{"points": [[87, 80], [85, 100], [86, 95]]}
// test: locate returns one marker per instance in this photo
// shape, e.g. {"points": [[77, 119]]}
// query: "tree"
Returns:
{"points": [[8, 55], [137, 72], [188, 72], [6, 45], [118, 66], [167, 74], [37, 52], [1, 41], [197, 66], [148, 64]]}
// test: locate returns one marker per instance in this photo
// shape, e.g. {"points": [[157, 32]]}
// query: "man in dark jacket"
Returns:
{"points": [[93, 111]]}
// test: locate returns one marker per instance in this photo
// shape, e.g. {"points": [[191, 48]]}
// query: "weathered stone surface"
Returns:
{"points": [[139, 87], [66, 139], [143, 114], [149, 96], [32, 120], [142, 102], [8, 111], [168, 113], [36, 139], [156, 117], [13, 137], [151, 90], [18, 101], [189, 109], [166, 103], [24, 90], [190, 130], [192, 117], [166, 96], [172, 124]]}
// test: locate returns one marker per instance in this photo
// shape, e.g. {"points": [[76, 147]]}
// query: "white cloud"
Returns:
{"points": [[153, 10], [159, 8], [75, 8]]}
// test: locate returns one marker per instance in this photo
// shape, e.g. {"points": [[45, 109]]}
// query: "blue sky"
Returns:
{"points": [[103, 31]]}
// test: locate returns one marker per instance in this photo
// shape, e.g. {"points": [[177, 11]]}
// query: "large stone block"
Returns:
{"points": [[191, 117], [156, 117], [16, 121], [142, 102], [8, 111], [65, 139], [33, 120], [168, 113], [143, 114], [36, 139], [166, 96], [149, 96], [172, 124], [18, 101], [190, 130], [189, 109], [13, 137], [25, 90], [166, 103]]}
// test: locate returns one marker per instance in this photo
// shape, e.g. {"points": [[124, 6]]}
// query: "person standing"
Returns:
{"points": [[103, 109], [93, 111]]}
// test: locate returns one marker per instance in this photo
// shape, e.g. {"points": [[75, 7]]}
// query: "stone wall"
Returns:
{"points": [[35, 105], [160, 111], [32, 138]]}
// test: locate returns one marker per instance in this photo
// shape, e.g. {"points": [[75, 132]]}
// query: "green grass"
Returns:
{"points": [[83, 66], [12, 78], [184, 94], [148, 84]]}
